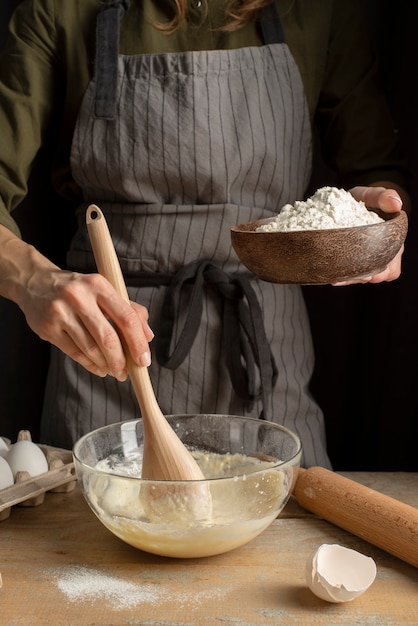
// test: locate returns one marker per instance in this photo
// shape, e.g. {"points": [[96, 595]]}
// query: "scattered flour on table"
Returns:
{"points": [[329, 207], [84, 584]]}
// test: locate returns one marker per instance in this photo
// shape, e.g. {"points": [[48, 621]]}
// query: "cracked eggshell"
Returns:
{"points": [[26, 456], [338, 574]]}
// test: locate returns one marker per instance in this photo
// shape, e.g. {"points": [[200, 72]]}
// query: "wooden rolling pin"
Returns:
{"points": [[383, 521]]}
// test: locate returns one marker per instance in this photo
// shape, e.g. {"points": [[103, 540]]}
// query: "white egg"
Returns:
{"points": [[4, 448], [338, 574], [26, 456], [6, 474]]}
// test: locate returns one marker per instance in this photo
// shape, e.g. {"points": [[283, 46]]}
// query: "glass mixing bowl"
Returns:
{"points": [[249, 465]]}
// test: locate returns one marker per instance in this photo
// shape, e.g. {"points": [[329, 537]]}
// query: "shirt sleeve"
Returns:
{"points": [[29, 87]]}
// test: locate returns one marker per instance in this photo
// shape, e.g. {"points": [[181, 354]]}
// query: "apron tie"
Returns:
{"points": [[243, 334]]}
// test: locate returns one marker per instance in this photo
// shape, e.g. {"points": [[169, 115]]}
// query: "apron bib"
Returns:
{"points": [[175, 149]]}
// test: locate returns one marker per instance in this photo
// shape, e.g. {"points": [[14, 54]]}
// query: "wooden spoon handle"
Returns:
{"points": [[383, 521], [104, 251], [165, 456], [108, 265]]}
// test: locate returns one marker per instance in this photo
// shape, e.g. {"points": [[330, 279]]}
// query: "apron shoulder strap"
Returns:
{"points": [[107, 51], [271, 26]]}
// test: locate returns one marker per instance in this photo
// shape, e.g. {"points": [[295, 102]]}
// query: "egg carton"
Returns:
{"points": [[30, 490]]}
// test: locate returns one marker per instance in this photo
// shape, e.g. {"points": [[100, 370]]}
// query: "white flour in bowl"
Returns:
{"points": [[329, 207]]}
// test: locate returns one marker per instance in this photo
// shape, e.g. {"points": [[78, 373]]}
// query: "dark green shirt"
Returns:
{"points": [[49, 60]]}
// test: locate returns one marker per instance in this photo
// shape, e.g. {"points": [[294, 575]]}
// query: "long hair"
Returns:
{"points": [[237, 14]]}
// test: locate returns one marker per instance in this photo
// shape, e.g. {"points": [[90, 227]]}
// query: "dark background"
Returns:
{"points": [[366, 336]]}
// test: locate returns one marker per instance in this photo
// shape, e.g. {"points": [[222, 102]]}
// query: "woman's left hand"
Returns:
{"points": [[390, 201]]}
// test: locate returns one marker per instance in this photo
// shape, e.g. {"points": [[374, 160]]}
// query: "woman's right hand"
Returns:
{"points": [[76, 312]]}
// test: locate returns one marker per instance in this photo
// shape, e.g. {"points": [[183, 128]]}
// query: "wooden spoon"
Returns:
{"points": [[165, 457]]}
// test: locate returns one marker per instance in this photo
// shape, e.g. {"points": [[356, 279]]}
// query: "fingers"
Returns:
{"points": [[131, 322], [95, 343], [360, 280], [390, 273], [387, 200], [97, 339], [79, 354], [86, 318], [390, 201], [87, 336]]}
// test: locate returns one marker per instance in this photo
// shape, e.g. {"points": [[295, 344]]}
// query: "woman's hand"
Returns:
{"points": [[388, 200], [78, 313]]}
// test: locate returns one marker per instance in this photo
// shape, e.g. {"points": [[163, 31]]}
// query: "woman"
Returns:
{"points": [[180, 120]]}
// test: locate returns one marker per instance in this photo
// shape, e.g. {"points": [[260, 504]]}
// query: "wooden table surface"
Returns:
{"points": [[60, 566]]}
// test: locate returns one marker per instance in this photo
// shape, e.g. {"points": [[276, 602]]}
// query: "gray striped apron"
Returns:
{"points": [[175, 149]]}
